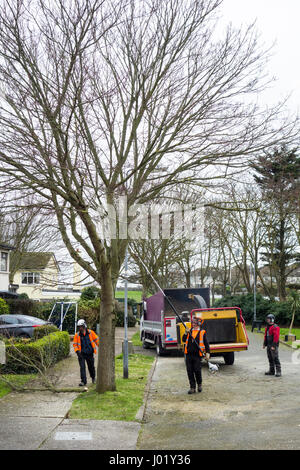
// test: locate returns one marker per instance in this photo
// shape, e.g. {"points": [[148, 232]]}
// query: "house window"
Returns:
{"points": [[4, 262], [30, 278]]}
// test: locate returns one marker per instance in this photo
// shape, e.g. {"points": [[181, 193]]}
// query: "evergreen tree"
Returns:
{"points": [[277, 173]]}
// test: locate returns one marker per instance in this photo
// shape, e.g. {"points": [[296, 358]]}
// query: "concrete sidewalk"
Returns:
{"points": [[38, 420]]}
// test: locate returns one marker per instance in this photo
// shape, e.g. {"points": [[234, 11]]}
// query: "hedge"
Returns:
{"points": [[120, 319], [44, 330], [22, 307], [43, 353], [4, 309], [281, 310]]}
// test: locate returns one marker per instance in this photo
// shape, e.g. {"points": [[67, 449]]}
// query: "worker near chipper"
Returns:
{"points": [[271, 342], [85, 345], [196, 348]]}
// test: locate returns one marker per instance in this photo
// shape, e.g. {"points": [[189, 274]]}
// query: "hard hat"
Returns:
{"points": [[199, 320], [81, 323]]}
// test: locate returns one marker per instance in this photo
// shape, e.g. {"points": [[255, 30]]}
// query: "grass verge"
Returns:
{"points": [[131, 294], [17, 380], [136, 339], [121, 405]]}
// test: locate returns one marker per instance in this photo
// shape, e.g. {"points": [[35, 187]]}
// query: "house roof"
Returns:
{"points": [[35, 260]]}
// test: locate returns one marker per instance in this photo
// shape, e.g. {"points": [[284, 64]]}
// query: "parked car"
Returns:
{"points": [[19, 325]]}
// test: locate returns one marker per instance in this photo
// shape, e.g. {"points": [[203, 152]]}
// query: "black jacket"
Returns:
{"points": [[86, 346], [192, 348]]}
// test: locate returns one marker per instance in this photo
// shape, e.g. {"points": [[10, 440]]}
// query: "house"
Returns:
{"points": [[36, 271], [4, 266], [38, 275]]}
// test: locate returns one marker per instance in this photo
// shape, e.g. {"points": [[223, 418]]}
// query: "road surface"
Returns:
{"points": [[239, 408]]}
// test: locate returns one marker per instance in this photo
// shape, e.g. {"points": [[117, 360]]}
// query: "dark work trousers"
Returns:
{"points": [[193, 367], [89, 359], [273, 357]]}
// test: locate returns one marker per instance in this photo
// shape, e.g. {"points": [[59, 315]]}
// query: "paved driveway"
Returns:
{"points": [[239, 408]]}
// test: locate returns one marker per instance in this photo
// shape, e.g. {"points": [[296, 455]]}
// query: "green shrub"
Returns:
{"points": [[4, 309], [23, 296], [120, 319], [281, 310], [43, 309], [90, 293], [22, 307], [44, 330], [26, 357], [89, 310]]}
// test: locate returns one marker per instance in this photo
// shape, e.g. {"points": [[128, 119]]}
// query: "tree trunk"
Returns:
{"points": [[106, 359], [292, 323]]}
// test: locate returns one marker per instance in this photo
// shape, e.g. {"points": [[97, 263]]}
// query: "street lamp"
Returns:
{"points": [[254, 292]]}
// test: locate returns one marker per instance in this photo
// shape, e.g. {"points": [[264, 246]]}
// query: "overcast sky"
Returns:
{"points": [[278, 21]]}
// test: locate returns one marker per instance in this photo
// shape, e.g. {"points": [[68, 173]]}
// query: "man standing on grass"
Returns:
{"points": [[85, 345], [271, 342]]}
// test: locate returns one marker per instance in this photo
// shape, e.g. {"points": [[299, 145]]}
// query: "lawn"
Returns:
{"points": [[121, 405], [132, 294], [136, 339], [17, 380], [283, 332]]}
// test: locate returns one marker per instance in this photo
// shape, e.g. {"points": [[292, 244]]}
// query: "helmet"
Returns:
{"points": [[81, 323], [270, 317], [199, 320]]}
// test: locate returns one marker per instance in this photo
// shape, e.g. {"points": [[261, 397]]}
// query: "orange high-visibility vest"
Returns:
{"points": [[93, 339], [201, 334]]}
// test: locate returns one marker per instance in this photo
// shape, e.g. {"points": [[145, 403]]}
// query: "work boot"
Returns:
{"points": [[191, 391], [270, 372], [199, 388], [278, 372], [82, 384]]}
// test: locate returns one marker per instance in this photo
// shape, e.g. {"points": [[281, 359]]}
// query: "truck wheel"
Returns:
{"points": [[160, 351], [229, 358]]}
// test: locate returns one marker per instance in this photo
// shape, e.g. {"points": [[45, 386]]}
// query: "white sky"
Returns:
{"points": [[278, 21]]}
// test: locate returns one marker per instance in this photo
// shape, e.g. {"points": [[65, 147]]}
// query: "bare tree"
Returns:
{"points": [[160, 257], [96, 95], [26, 228]]}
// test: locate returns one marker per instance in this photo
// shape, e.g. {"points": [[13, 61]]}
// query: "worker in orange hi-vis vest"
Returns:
{"points": [[196, 348], [85, 345]]}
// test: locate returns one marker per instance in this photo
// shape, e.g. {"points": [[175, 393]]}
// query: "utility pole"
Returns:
{"points": [[125, 343], [254, 292]]}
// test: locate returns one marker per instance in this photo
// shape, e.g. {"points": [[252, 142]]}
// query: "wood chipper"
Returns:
{"points": [[225, 328]]}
